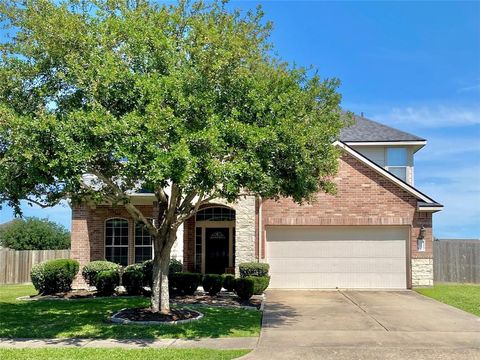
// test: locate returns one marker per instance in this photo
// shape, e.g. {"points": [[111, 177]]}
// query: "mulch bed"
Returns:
{"points": [[226, 299], [74, 294], [139, 314]]}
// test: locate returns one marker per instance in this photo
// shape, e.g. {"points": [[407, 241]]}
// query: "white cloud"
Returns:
{"points": [[470, 88], [430, 116], [458, 189]]}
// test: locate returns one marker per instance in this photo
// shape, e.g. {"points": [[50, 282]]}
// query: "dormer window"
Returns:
{"points": [[397, 162]]}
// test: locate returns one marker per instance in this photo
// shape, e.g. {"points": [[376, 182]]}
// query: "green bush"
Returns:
{"points": [[34, 234], [147, 270], [184, 283], [90, 271], [244, 287], [260, 283], [212, 283], [107, 281], [253, 269], [132, 279], [228, 281], [175, 266], [54, 276]]}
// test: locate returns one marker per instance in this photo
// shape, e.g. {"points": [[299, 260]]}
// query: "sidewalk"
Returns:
{"points": [[205, 343]]}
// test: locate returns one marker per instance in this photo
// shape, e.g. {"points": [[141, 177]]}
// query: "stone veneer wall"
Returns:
{"points": [[245, 232], [422, 272]]}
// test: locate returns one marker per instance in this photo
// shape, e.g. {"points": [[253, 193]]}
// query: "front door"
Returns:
{"points": [[216, 250]]}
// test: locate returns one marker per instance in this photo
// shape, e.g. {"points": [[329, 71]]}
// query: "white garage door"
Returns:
{"points": [[322, 257]]}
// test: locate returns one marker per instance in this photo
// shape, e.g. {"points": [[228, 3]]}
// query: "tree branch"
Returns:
{"points": [[132, 209]]}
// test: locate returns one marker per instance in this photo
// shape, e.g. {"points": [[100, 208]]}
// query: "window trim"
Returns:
{"points": [[115, 246], [135, 241]]}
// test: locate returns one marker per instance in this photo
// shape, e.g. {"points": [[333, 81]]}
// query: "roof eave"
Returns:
{"points": [[417, 144]]}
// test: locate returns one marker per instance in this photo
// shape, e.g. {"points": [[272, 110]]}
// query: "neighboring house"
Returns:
{"points": [[376, 232]]}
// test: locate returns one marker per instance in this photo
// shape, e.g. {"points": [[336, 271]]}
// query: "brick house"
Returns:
{"points": [[376, 232]]}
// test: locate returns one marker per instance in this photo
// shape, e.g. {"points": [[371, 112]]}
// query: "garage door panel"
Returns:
{"points": [[337, 256], [341, 265], [327, 248], [337, 233], [337, 280]]}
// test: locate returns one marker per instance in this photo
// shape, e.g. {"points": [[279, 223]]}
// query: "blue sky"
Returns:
{"points": [[411, 65]]}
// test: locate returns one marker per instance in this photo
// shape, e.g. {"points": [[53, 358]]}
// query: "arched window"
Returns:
{"points": [[143, 243], [216, 214], [116, 241]]}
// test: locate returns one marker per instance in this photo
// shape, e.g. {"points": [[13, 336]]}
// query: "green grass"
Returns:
{"points": [[88, 318], [99, 354], [465, 297]]}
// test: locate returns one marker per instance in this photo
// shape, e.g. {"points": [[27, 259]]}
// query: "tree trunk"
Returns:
{"points": [[160, 300]]}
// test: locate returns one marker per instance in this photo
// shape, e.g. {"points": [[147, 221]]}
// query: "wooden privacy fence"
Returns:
{"points": [[456, 261], [15, 265]]}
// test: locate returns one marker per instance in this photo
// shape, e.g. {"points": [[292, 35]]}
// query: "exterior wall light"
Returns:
{"points": [[421, 239]]}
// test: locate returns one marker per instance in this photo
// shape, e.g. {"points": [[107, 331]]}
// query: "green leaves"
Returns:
{"points": [[140, 93], [34, 234]]}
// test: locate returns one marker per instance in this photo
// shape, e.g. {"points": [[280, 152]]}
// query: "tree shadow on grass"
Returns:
{"points": [[89, 318]]}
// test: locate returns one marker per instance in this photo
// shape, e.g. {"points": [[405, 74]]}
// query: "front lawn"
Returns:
{"points": [[100, 354], [88, 318], [465, 297]]}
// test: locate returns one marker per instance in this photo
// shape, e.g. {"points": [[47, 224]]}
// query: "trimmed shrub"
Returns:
{"points": [[175, 266], [107, 281], [228, 281], [90, 271], [54, 276], [243, 287], [212, 283], [147, 270], [260, 283], [184, 283], [253, 269], [132, 279]]}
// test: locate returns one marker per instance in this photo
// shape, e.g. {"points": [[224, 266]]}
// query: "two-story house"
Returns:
{"points": [[376, 232]]}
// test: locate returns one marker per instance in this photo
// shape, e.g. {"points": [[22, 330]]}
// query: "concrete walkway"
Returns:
{"points": [[393, 325], [206, 343]]}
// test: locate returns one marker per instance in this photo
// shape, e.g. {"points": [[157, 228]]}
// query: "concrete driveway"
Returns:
{"points": [[364, 325]]}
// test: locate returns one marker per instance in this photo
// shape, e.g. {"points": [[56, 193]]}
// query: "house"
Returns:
{"points": [[376, 232]]}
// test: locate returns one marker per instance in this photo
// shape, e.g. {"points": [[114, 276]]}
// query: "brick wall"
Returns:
{"points": [[88, 228], [363, 198]]}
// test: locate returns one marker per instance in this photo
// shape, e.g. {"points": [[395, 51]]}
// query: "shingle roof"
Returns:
{"points": [[368, 130]]}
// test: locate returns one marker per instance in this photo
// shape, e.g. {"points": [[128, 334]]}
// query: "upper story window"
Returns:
{"points": [[143, 243], [116, 241], [397, 162]]}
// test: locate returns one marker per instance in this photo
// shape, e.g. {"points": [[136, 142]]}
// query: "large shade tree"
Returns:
{"points": [[186, 100]]}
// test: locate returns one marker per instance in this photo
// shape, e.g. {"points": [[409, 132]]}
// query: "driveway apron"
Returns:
{"points": [[364, 325]]}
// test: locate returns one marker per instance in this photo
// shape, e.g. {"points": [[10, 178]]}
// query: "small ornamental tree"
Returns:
{"points": [[186, 100], [34, 234]]}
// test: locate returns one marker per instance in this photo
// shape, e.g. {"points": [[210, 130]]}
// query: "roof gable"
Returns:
{"points": [[426, 201]]}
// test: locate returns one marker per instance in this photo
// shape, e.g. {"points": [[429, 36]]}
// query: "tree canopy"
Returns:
{"points": [[34, 234], [185, 100]]}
